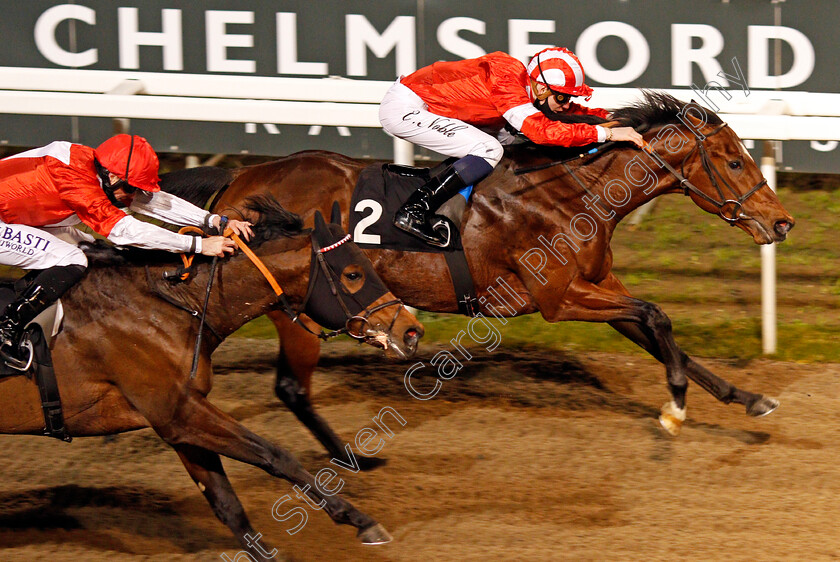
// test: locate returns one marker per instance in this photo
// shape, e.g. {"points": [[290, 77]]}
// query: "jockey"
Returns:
{"points": [[45, 191], [442, 107]]}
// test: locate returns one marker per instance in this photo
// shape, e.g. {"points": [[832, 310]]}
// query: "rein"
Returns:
{"points": [[711, 171], [603, 147], [182, 274]]}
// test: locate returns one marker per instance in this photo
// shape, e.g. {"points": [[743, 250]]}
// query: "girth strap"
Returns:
{"points": [[462, 281]]}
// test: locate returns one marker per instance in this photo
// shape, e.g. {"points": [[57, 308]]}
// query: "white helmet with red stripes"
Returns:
{"points": [[560, 70]]}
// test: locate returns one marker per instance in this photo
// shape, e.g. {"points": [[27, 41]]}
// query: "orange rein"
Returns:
{"points": [[229, 233]]}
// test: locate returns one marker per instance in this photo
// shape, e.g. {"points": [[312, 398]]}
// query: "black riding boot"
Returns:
{"points": [[416, 216], [19, 313], [45, 288]]}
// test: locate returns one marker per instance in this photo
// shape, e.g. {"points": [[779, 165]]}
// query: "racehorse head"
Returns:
{"points": [[344, 292], [714, 167]]}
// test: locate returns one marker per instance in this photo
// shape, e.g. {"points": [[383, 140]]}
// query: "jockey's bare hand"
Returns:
{"points": [[217, 246], [627, 134], [241, 228]]}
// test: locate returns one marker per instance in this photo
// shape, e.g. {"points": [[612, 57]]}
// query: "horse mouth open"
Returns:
{"points": [[395, 347]]}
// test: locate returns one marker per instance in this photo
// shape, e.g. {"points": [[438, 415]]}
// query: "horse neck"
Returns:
{"points": [[241, 293], [248, 294], [626, 178]]}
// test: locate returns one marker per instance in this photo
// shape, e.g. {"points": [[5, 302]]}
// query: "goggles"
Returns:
{"points": [[124, 185], [560, 97]]}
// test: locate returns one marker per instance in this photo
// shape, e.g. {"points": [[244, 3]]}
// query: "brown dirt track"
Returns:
{"points": [[525, 455]]}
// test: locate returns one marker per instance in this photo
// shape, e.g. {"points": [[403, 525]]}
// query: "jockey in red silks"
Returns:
{"points": [[447, 106], [47, 190]]}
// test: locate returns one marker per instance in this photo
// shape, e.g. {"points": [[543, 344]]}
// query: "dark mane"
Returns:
{"points": [[274, 222], [655, 108]]}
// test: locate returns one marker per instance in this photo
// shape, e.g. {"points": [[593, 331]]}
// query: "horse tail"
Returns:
{"points": [[196, 185]]}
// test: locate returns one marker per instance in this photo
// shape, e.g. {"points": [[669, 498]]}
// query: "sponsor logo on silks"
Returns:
{"points": [[22, 242]]}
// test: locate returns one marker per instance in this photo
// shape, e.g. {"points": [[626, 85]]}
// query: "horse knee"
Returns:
{"points": [[289, 390]]}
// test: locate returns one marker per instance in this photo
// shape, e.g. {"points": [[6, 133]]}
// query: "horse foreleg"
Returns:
{"points": [[755, 404], [296, 361], [206, 470], [198, 423]]}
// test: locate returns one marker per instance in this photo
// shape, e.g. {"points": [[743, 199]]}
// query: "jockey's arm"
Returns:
{"points": [[132, 232], [170, 209], [174, 210]]}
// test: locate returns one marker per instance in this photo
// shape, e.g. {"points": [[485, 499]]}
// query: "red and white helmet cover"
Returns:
{"points": [[559, 69], [133, 159]]}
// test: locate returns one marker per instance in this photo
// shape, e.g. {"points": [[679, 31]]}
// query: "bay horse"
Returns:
{"points": [[123, 359], [567, 211]]}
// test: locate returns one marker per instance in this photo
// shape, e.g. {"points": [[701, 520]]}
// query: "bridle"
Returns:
{"points": [[360, 333], [362, 318], [714, 175]]}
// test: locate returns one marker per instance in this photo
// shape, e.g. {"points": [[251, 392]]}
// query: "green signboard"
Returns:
{"points": [[626, 43]]}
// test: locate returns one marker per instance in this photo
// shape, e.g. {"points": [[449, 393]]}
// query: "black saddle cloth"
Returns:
{"points": [[380, 192]]}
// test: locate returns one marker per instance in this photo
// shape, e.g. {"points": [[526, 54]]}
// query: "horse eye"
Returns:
{"points": [[353, 276], [735, 164]]}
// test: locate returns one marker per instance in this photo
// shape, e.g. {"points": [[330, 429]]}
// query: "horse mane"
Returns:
{"points": [[654, 109], [274, 222], [196, 185]]}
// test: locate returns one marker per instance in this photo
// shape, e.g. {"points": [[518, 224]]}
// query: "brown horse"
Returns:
{"points": [[545, 233], [123, 359]]}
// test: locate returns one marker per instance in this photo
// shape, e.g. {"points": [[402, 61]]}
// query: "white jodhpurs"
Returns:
{"points": [[404, 114], [28, 247]]}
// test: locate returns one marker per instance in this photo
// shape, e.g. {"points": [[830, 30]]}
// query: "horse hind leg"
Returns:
{"points": [[296, 362], [200, 424], [206, 470]]}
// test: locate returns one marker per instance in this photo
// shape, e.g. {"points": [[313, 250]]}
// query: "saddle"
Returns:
{"points": [[379, 193], [37, 340]]}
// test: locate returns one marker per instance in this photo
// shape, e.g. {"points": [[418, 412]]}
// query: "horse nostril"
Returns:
{"points": [[782, 227], [412, 336]]}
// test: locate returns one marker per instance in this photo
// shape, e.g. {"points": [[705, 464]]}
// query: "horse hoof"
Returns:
{"points": [[369, 463], [375, 534], [671, 419], [762, 407]]}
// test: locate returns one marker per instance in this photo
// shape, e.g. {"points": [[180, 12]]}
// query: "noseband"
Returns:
{"points": [[714, 176], [332, 279]]}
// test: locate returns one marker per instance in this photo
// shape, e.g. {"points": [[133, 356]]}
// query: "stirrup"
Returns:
{"points": [[19, 364], [442, 226]]}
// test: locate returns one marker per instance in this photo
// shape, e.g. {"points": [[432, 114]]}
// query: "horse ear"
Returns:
{"points": [[320, 224], [335, 214], [320, 233]]}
